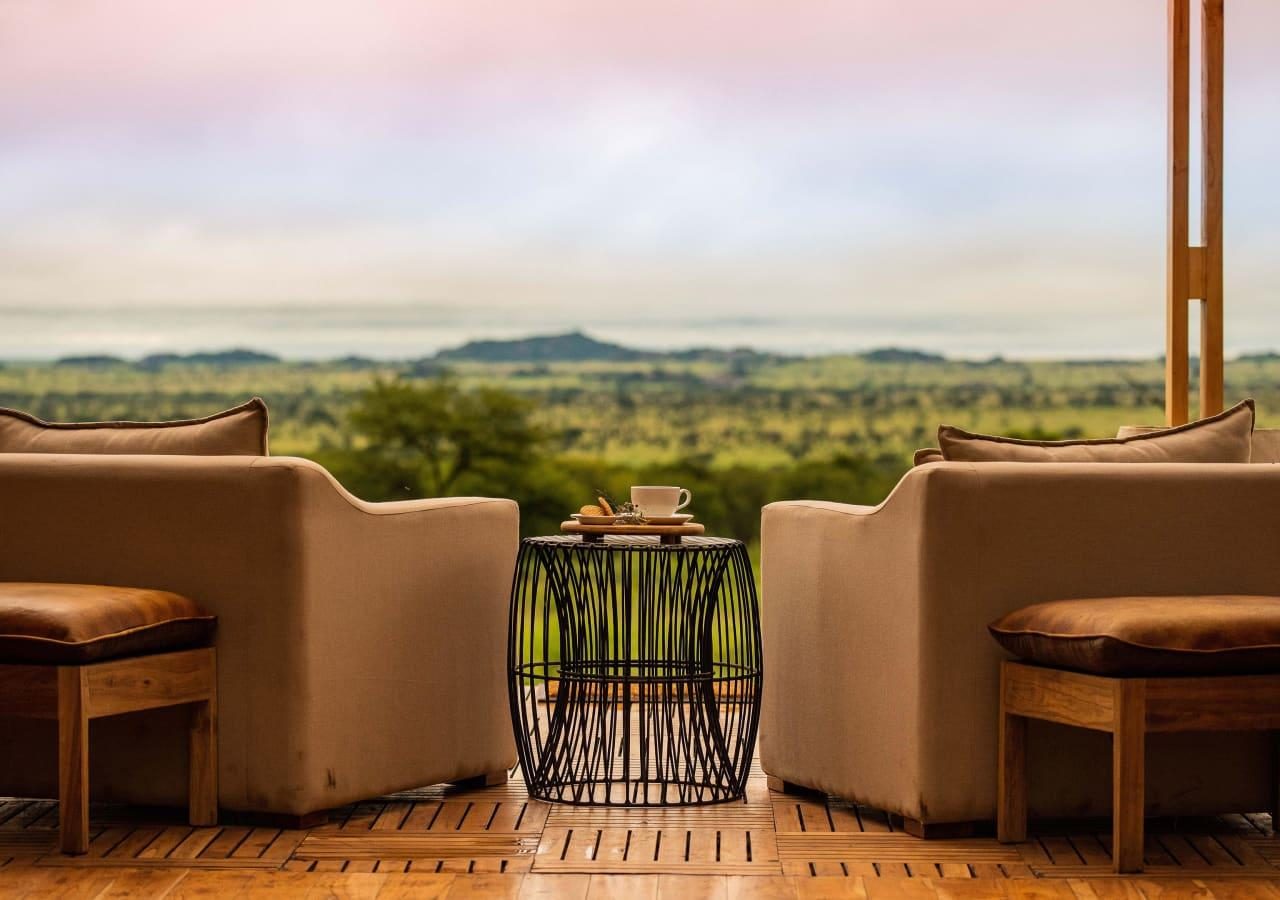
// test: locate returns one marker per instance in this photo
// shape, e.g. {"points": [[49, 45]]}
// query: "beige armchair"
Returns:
{"points": [[361, 646], [881, 679]]}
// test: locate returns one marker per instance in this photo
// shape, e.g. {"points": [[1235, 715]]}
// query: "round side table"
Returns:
{"points": [[634, 670]]}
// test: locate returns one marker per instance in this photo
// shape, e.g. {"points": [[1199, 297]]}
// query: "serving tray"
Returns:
{"points": [[669, 534]]}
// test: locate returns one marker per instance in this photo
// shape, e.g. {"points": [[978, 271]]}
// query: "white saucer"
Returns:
{"points": [[677, 519], [593, 520]]}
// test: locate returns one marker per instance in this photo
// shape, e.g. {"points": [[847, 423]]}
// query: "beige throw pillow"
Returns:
{"points": [[1265, 446], [240, 431], [1224, 438], [926, 455]]}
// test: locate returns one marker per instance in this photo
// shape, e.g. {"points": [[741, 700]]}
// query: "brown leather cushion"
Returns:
{"points": [[239, 431], [1206, 635], [1224, 438], [70, 624]]}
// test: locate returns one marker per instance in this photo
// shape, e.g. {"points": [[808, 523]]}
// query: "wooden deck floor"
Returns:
{"points": [[448, 842]]}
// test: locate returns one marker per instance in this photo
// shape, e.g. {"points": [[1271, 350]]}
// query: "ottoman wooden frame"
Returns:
{"points": [[1128, 708], [76, 694]]}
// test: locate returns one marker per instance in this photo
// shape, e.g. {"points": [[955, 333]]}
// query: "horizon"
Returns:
{"points": [[657, 352], [407, 331], [329, 180]]}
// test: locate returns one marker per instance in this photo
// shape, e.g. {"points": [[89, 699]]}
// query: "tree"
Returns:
{"points": [[434, 439]]}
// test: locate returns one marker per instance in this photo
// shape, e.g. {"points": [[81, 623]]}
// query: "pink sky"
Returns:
{"points": [[976, 161]]}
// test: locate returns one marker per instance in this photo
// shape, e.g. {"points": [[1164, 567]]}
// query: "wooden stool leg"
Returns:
{"points": [[1011, 803], [203, 763], [1275, 783], [1128, 786], [73, 761]]}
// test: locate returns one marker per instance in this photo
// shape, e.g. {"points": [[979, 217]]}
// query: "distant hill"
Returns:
{"points": [[572, 347], [93, 361], [223, 358], [357, 363], [737, 355], [901, 355], [578, 347]]}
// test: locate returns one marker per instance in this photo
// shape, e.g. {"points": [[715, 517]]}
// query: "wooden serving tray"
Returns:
{"points": [[669, 534]]}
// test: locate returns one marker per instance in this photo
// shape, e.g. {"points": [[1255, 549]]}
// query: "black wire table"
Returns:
{"points": [[634, 670]]}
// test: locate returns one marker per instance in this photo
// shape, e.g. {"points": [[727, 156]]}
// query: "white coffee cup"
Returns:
{"points": [[660, 500]]}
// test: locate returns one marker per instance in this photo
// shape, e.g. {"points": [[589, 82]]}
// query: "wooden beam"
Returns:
{"points": [[1056, 695], [1220, 703], [1210, 293], [1177, 382], [1196, 272], [148, 682], [29, 691]]}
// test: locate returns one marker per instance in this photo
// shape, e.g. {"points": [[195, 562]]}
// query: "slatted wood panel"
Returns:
{"points": [[692, 851], [490, 830], [441, 830], [1228, 845], [823, 838], [770, 841]]}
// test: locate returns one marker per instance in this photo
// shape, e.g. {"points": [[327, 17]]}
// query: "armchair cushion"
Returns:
{"points": [[1224, 438], [1266, 441], [72, 624], [239, 431], [1174, 635], [926, 455]]}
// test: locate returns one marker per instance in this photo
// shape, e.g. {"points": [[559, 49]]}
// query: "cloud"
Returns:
{"points": [[967, 164]]}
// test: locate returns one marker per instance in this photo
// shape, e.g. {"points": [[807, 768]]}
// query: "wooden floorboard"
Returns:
{"points": [[45, 882], [442, 841], [188, 883]]}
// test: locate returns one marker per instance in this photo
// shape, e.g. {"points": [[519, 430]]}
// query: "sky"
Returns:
{"points": [[324, 177]]}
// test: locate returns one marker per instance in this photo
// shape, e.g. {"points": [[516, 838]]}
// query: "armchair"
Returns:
{"points": [[361, 646], [881, 679]]}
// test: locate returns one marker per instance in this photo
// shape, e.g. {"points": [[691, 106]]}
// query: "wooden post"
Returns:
{"points": [[1210, 292], [1194, 273], [1177, 382]]}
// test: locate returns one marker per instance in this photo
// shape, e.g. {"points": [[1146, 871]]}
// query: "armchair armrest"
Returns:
{"points": [[840, 619], [405, 662]]}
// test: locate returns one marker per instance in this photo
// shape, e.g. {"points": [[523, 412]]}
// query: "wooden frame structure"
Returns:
{"points": [[1194, 272], [1128, 709], [75, 695]]}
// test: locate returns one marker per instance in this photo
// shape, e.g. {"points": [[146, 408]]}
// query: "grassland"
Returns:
{"points": [[713, 418], [772, 413]]}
